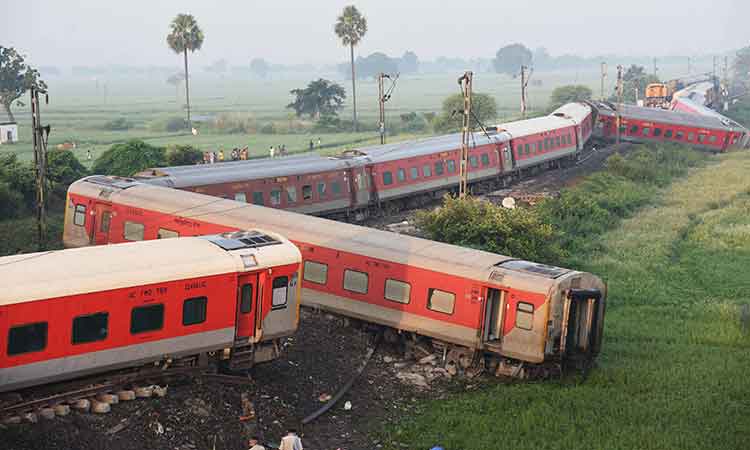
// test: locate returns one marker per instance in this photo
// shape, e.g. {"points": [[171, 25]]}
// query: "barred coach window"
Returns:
{"points": [[146, 318], [355, 281], [279, 293], [441, 301], [27, 338], [194, 310], [79, 217], [133, 231], [90, 328]]}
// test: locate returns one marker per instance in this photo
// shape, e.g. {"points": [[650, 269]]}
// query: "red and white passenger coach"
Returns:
{"points": [[225, 299], [470, 302]]}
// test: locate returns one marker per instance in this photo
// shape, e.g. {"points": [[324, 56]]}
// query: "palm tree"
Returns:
{"points": [[185, 35], [351, 27]]}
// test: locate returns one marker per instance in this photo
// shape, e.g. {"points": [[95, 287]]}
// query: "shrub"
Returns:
{"points": [[475, 223], [119, 124], [183, 155], [483, 107], [174, 124], [125, 159], [235, 123], [268, 128], [412, 123], [11, 202], [63, 168]]}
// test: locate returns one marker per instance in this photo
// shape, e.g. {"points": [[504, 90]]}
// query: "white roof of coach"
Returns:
{"points": [[534, 126], [427, 254], [37, 276], [573, 111]]}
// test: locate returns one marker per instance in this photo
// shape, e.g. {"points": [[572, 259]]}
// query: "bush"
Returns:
{"points": [[268, 128], [63, 168], [235, 123], [127, 158], [568, 94], [11, 202], [475, 223], [183, 155], [120, 124], [174, 124], [19, 177], [412, 123], [483, 107]]}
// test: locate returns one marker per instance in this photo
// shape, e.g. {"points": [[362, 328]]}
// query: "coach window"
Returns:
{"points": [[451, 165], [401, 174], [413, 173], [701, 138], [321, 189], [646, 131], [474, 161], [316, 272], [291, 194], [106, 219], [355, 281], [546, 144], [27, 338], [679, 135], [657, 132], [275, 197], [485, 159], [668, 134], [146, 318], [524, 316], [258, 198], [397, 291], [279, 292], [527, 149], [246, 298], [690, 137], [164, 233], [335, 188], [90, 328], [441, 301], [194, 310], [133, 231], [240, 197], [557, 141], [387, 178], [79, 218], [712, 139], [426, 171], [634, 129], [439, 168], [306, 192]]}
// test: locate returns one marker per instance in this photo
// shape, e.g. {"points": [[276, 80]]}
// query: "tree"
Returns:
{"points": [[320, 97], [371, 65], [741, 70], [16, 77], [409, 63], [185, 35], [510, 58], [125, 159], [635, 80], [183, 155], [259, 67], [63, 168], [483, 107], [569, 94], [351, 27]]}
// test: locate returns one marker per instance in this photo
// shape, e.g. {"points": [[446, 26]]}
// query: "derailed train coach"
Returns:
{"points": [[523, 317]]}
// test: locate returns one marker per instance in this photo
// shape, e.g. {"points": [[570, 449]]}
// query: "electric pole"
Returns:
{"points": [[656, 69], [524, 83], [40, 135], [689, 68], [604, 75], [383, 97], [619, 101], [465, 83]]}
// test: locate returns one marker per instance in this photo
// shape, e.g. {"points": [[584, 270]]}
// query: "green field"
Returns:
{"points": [[674, 369]]}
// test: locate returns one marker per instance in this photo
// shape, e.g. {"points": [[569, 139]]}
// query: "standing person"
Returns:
{"points": [[88, 154], [318, 142], [254, 444], [271, 151], [291, 441], [221, 155], [283, 150], [212, 157], [312, 145]]}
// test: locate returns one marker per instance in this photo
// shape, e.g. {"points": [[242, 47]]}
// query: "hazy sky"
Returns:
{"points": [[92, 32]]}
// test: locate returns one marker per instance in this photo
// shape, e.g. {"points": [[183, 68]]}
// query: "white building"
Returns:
{"points": [[8, 129]]}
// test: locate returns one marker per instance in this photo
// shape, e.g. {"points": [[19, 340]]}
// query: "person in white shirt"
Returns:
{"points": [[254, 444], [291, 441]]}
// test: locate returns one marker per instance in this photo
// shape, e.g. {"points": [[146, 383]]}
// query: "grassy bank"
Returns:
{"points": [[673, 372]]}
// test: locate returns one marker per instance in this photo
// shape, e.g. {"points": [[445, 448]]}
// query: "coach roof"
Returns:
{"points": [[659, 115]]}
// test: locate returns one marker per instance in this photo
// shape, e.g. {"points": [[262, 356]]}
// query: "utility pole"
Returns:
{"points": [[383, 97], [689, 68], [619, 101], [656, 69], [524, 84], [40, 135], [604, 75], [465, 83]]}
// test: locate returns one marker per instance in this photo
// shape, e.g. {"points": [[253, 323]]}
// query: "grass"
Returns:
{"points": [[673, 371]]}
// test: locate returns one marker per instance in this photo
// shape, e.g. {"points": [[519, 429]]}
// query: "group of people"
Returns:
{"points": [[289, 442], [237, 154], [279, 150]]}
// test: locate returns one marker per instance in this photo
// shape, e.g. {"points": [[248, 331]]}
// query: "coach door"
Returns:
{"points": [[493, 316], [100, 228], [247, 306]]}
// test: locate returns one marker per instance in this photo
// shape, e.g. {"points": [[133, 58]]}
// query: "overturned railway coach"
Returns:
{"points": [[522, 315], [224, 300], [368, 179]]}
